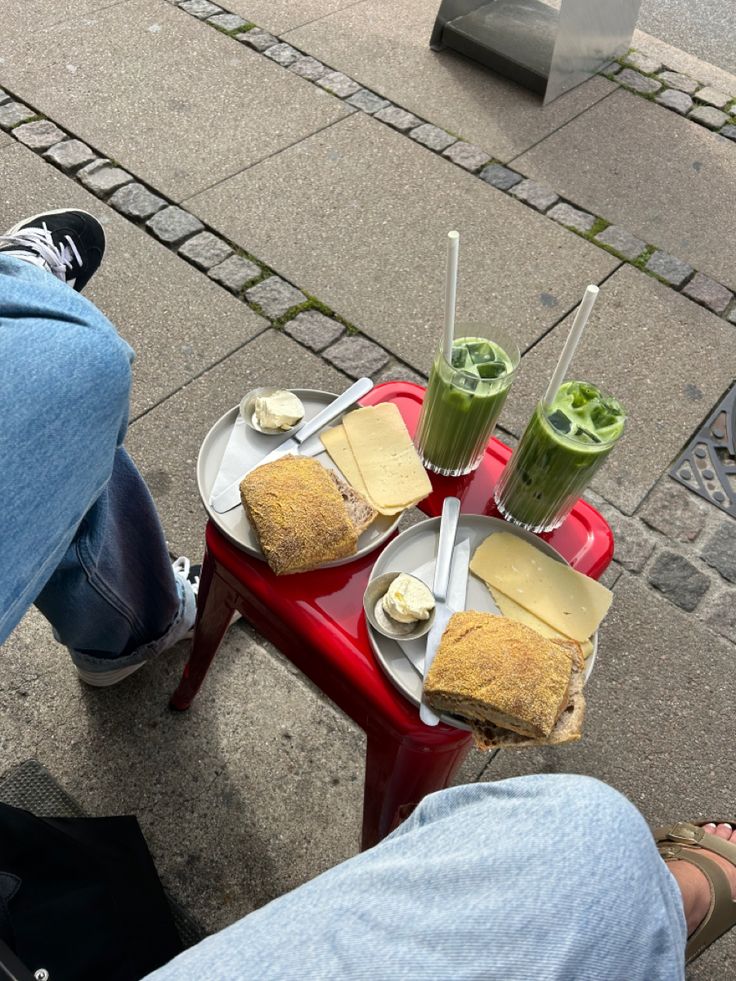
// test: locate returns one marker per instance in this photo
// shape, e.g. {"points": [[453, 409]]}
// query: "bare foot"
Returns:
{"points": [[693, 883]]}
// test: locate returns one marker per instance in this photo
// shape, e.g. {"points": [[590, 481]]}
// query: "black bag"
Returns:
{"points": [[80, 899]]}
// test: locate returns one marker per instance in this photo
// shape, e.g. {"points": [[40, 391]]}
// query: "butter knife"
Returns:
{"points": [[443, 612], [229, 498]]}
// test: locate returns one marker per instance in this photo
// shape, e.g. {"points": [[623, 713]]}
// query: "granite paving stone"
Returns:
{"points": [[626, 244], [102, 178], [200, 8], [172, 225], [671, 190], [611, 575], [70, 155], [572, 217], [704, 290], [400, 119], [275, 296], [668, 267], [356, 356], [432, 137], [192, 129], [719, 612], [637, 82], [367, 101], [712, 118], [392, 57], [676, 80], [665, 402], [137, 202], [339, 84], [729, 132], [40, 135], [633, 544], [308, 68], [674, 511], [227, 22], [643, 63], [712, 97], [311, 214], [537, 195], [499, 176], [467, 155], [12, 113], [234, 273], [205, 250], [672, 99], [314, 329], [731, 315], [720, 550], [258, 39], [177, 321], [4, 97], [395, 371], [282, 54], [678, 579]]}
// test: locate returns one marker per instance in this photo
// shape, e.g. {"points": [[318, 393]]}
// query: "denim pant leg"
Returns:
{"points": [[541, 878], [89, 549]]}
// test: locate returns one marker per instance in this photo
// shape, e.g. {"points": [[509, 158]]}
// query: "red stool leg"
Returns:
{"points": [[399, 773], [215, 607]]}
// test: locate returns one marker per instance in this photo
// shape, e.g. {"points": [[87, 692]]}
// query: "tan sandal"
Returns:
{"points": [[688, 841]]}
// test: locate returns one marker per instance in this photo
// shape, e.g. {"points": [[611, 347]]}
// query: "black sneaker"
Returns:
{"points": [[67, 243]]}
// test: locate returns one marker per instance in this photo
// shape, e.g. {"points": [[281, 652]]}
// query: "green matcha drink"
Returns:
{"points": [[463, 401], [562, 447]]}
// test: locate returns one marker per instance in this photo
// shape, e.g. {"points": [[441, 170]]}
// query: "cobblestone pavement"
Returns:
{"points": [[260, 257]]}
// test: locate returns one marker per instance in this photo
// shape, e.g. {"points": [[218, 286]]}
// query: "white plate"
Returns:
{"points": [[234, 524], [412, 549]]}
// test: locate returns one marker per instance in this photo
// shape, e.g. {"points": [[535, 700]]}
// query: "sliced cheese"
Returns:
{"points": [[511, 609], [564, 599], [335, 441], [390, 466]]}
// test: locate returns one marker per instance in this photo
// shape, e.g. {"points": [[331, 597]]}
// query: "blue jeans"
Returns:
{"points": [[541, 878], [79, 531]]}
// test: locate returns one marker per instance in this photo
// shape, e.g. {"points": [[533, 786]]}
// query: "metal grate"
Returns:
{"points": [[708, 463]]}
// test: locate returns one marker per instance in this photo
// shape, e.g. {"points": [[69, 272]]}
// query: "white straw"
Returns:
{"points": [[573, 339], [453, 248]]}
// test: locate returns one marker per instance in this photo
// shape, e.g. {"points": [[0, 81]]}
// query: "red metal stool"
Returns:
{"points": [[316, 620]]}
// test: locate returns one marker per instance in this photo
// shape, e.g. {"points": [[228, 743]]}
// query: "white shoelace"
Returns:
{"points": [[56, 258], [181, 567]]}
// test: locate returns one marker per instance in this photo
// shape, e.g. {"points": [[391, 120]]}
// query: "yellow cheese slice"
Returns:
{"points": [[564, 599], [390, 466], [335, 441], [511, 609]]}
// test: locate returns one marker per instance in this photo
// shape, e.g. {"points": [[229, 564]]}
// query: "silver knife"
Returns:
{"points": [[448, 531], [229, 498]]}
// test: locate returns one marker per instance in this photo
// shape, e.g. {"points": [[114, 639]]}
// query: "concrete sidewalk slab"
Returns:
{"points": [[257, 788], [171, 99], [21, 17], [655, 173], [165, 442], [178, 321], [666, 359], [358, 215], [279, 16], [385, 47], [654, 728]]}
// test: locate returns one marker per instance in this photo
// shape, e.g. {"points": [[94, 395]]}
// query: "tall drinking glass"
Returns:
{"points": [[561, 449], [464, 399]]}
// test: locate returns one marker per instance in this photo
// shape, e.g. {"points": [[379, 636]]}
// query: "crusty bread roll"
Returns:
{"points": [[490, 669], [360, 512], [298, 514]]}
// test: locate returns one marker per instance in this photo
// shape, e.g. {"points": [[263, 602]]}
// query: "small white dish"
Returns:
{"points": [[379, 619], [247, 411]]}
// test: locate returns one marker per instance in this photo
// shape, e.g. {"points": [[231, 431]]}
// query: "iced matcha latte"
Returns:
{"points": [[463, 401], [562, 447]]}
